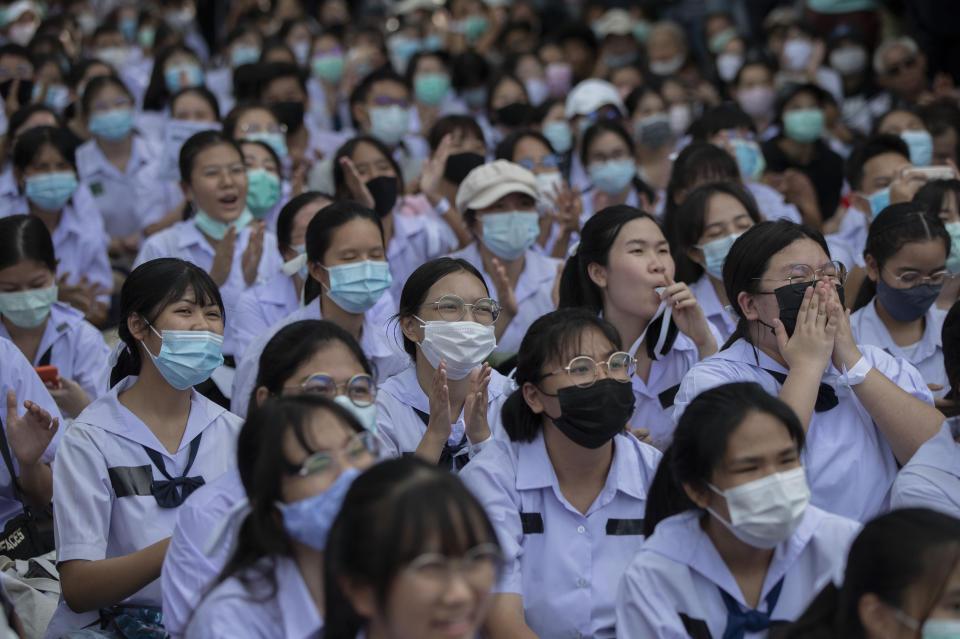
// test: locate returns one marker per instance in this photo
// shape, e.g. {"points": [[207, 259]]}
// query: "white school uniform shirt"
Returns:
{"points": [[671, 589], [850, 467], [75, 347], [400, 428], [252, 609], [589, 209], [533, 291], [926, 355], [771, 204], [132, 199], [17, 374], [565, 565], [713, 309], [931, 479], [101, 486], [13, 202], [259, 308], [188, 570], [377, 342], [184, 240], [416, 240]]}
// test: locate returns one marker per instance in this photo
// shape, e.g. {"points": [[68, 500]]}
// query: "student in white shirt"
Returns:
{"points": [[608, 154], [942, 198], [385, 579], [733, 545], [175, 67], [906, 254], [794, 339], [48, 333], [297, 457], [264, 186], [133, 456], [623, 270], [566, 492], [902, 580]]}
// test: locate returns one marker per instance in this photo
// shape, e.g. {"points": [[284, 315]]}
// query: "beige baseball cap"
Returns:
{"points": [[489, 182]]}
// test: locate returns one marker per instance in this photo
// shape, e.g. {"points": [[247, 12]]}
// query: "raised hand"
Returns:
{"points": [[432, 177], [223, 257], [69, 395], [440, 418], [81, 295], [250, 260], [475, 405], [689, 317], [29, 435], [506, 296], [812, 342], [355, 184]]}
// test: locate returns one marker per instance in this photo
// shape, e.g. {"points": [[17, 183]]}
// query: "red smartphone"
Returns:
{"points": [[48, 374]]}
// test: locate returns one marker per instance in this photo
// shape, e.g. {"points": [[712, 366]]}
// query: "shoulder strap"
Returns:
{"points": [[45, 358], [8, 461]]}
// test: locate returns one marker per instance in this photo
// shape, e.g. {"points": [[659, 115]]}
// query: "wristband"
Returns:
{"points": [[442, 207], [857, 373]]}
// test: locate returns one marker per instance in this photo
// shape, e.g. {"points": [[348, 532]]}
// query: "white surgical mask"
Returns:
{"points": [[766, 511], [548, 184], [667, 67], [797, 52], [464, 345]]}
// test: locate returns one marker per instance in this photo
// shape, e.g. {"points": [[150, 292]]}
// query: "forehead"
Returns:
{"points": [[900, 121], [365, 152], [759, 434], [530, 147], [283, 83], [607, 140], [884, 164], [461, 283], [801, 251], [254, 150], [387, 87], [218, 154], [895, 53], [590, 341], [640, 229]]}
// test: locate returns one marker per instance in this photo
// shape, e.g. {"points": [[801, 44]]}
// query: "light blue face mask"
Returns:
{"points": [[28, 309], [358, 286], [953, 260], [612, 176], [559, 135], [366, 415], [803, 125], [475, 97], [309, 520], [51, 191], [431, 88], [57, 98], [509, 235], [172, 77], [276, 141], [263, 192], [244, 54], [389, 124], [920, 144], [113, 125], [217, 229], [879, 200], [749, 158], [715, 254], [328, 67], [187, 358], [941, 629]]}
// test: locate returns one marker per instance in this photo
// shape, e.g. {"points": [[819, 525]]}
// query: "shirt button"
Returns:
{"points": [[581, 582], [581, 529]]}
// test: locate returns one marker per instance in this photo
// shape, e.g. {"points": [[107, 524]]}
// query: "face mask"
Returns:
{"points": [[301, 52], [328, 67], [537, 90], [366, 415], [475, 97], [263, 192], [766, 511], [433, 42], [128, 26], [146, 37], [514, 115], [757, 102], [431, 88], [509, 235], [549, 184], [180, 19], [789, 298], [848, 60], [290, 114], [620, 60], [953, 260], [681, 115], [402, 49], [51, 191], [88, 24], [358, 286], [720, 40], [384, 191], [803, 125], [921, 146], [879, 200], [907, 304], [194, 77], [309, 520], [474, 26], [217, 229], [667, 67], [941, 629], [187, 358], [22, 34], [715, 253], [459, 165], [57, 98], [749, 158], [116, 57], [727, 66], [559, 135], [559, 78], [797, 52], [389, 124], [641, 31], [581, 421], [28, 309], [612, 176], [654, 131], [298, 264], [463, 345], [244, 54], [276, 141], [113, 125]]}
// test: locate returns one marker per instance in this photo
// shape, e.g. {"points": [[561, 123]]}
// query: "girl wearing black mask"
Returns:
{"points": [[566, 494], [508, 106], [863, 411]]}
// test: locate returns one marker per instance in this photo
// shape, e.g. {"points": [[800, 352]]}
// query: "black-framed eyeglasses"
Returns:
{"points": [[584, 371], [915, 278], [360, 389], [834, 270], [452, 308], [361, 447]]}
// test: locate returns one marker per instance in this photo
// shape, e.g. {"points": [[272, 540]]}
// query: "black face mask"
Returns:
{"points": [[592, 416], [384, 191], [460, 164], [290, 115], [789, 298], [515, 115]]}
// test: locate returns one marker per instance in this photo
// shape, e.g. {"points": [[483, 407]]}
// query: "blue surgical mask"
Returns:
{"points": [[920, 144], [187, 358], [612, 176], [128, 27], [366, 415], [358, 286], [559, 135], [431, 88], [715, 253], [749, 158], [276, 141], [244, 54], [309, 520], [263, 192], [907, 304], [475, 98], [509, 235], [953, 260], [217, 229], [879, 200], [172, 77], [51, 191], [57, 98], [28, 309], [113, 125], [389, 124]]}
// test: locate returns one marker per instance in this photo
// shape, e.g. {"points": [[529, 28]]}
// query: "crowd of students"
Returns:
{"points": [[452, 318]]}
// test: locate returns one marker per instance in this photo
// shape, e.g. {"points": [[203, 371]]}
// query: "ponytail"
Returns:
{"points": [[128, 363], [819, 621], [665, 496]]}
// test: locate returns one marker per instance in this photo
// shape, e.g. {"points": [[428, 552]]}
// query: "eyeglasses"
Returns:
{"points": [[257, 128], [906, 64], [452, 308], [605, 113], [361, 447], [914, 278], [359, 389], [480, 567], [385, 101], [834, 270], [548, 161], [583, 371]]}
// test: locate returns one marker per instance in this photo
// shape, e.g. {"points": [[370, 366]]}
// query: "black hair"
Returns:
{"points": [[393, 513], [289, 211], [685, 226], [896, 226], [596, 239], [697, 163], [33, 140], [950, 339], [940, 115], [506, 149], [893, 552], [793, 91], [455, 122], [20, 117], [728, 115], [757, 59], [149, 289], [932, 194], [700, 442], [320, 235], [415, 289], [203, 93], [346, 150], [496, 81], [415, 59], [878, 122], [157, 96], [555, 336], [97, 84], [360, 94], [469, 69], [199, 142], [233, 117], [15, 50], [867, 150], [749, 258], [266, 147], [80, 69], [25, 237], [636, 96], [270, 71]]}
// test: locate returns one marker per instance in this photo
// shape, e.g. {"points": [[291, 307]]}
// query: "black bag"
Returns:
{"points": [[30, 533]]}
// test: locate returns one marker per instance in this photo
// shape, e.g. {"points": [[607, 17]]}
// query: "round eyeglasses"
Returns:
{"points": [[835, 271], [914, 278], [359, 389], [452, 308], [480, 567], [360, 448], [584, 371]]}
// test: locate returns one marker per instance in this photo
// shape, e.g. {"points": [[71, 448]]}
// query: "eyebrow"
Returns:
{"points": [[645, 242], [792, 450]]}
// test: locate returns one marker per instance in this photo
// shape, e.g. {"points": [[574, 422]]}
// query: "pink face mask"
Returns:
{"points": [[559, 78], [757, 101]]}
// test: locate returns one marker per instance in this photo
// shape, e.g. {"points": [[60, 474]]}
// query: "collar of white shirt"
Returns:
{"points": [[95, 163], [301, 619], [930, 341]]}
